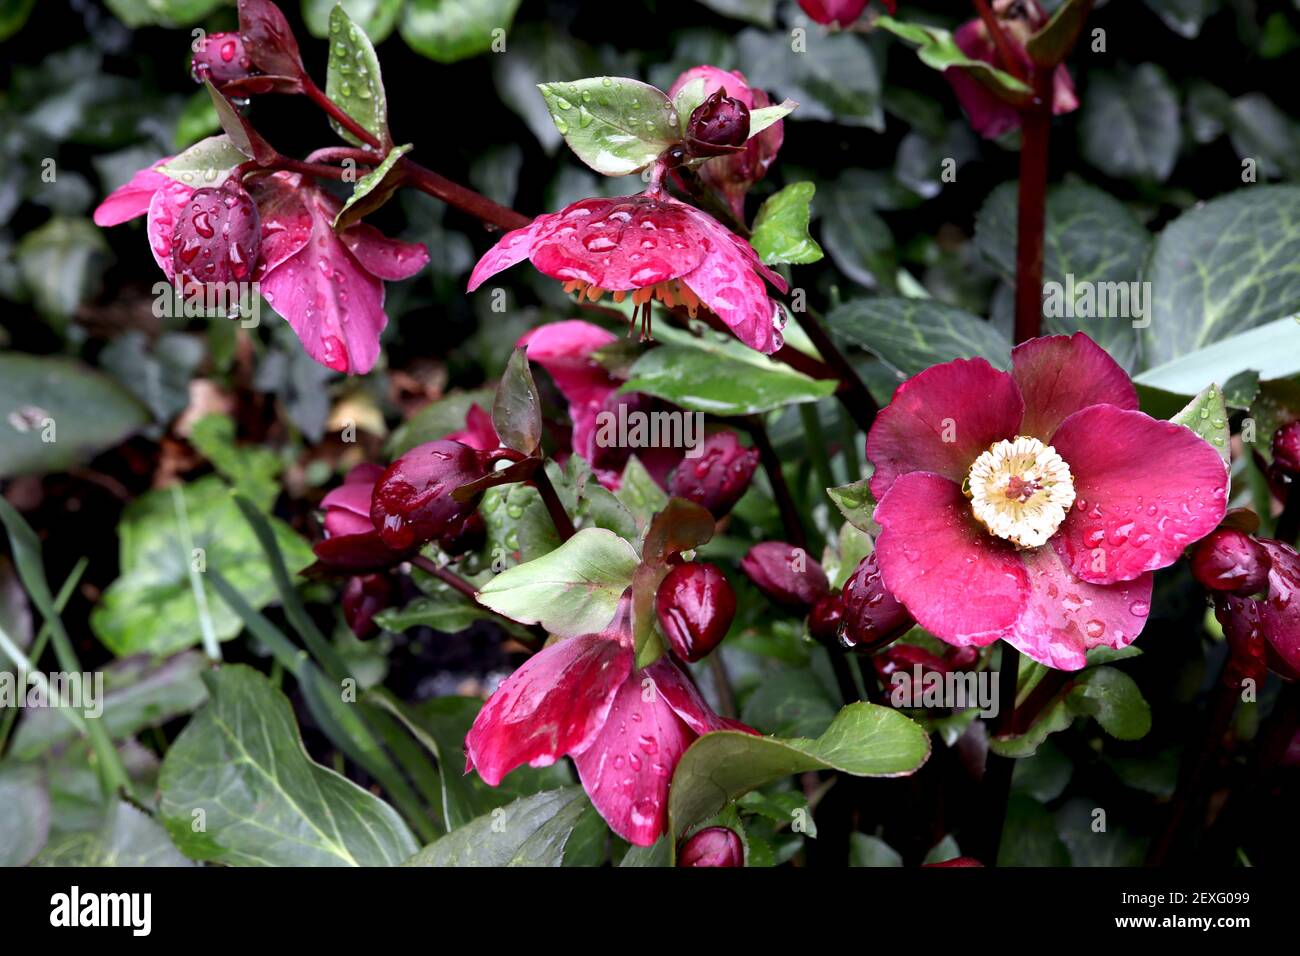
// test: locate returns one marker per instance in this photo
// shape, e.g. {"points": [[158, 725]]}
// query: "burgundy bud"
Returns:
{"points": [[1230, 560], [695, 605], [718, 125], [785, 574], [825, 618], [718, 477], [1286, 448], [712, 846], [872, 616], [364, 596], [956, 861], [904, 659], [351, 542], [413, 500], [218, 237], [1247, 648], [221, 58], [462, 537]]}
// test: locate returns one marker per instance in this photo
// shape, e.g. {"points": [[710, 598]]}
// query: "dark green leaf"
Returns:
{"points": [[517, 408], [353, 81], [912, 334], [834, 78], [451, 30], [781, 227], [1130, 127], [25, 823], [372, 190], [61, 263]]}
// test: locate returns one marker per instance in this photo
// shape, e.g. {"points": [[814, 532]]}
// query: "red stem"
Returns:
{"points": [[1006, 54], [790, 519], [559, 517], [1035, 131], [454, 194], [457, 583], [337, 113]]}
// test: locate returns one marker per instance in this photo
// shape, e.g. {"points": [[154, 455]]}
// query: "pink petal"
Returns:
{"points": [[386, 258], [989, 115], [627, 768], [555, 704], [959, 582], [680, 693], [732, 82], [1144, 491], [1060, 374], [334, 305], [167, 205], [514, 247], [286, 220], [564, 350], [1279, 613], [1064, 617], [967, 401], [479, 432], [133, 197], [620, 244]]}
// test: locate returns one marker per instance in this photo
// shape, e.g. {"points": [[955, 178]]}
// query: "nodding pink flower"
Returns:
{"points": [[734, 174], [412, 501], [648, 246], [364, 596], [1033, 505], [1286, 448], [328, 286], [1234, 566], [625, 728], [218, 238], [840, 12], [989, 114], [567, 351], [351, 542]]}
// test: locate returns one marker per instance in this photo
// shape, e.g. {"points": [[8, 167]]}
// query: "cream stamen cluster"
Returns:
{"points": [[1021, 490]]}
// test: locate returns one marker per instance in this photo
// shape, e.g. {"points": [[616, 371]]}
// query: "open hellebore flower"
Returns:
{"points": [[1033, 505], [649, 246], [990, 115], [733, 174], [841, 12], [328, 286], [625, 728]]}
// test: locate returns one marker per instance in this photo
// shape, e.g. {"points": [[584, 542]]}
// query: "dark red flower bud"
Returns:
{"points": [[217, 238], [872, 616], [1247, 649], [613, 455], [1286, 448], [413, 500], [904, 659], [825, 618], [718, 477], [956, 861], [718, 125], [785, 574], [365, 596], [351, 542], [462, 537], [1230, 560], [222, 59], [712, 846], [695, 605]]}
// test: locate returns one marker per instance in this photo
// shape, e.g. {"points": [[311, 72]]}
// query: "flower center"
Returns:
{"points": [[1021, 490]]}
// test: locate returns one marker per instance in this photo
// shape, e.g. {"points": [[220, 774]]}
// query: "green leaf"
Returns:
{"points": [[1207, 415], [939, 51], [865, 850], [1184, 17], [61, 263], [151, 606], [13, 14], [863, 740], [719, 375], [448, 613], [1104, 693], [573, 590], [539, 53], [1090, 236], [166, 13], [125, 836], [138, 693], [25, 823], [207, 163], [763, 117], [762, 12], [639, 493], [790, 702], [1130, 127], [834, 80], [1029, 837], [615, 125], [452, 30], [540, 830], [372, 190], [1271, 351], [265, 803], [1052, 44], [517, 408], [910, 335], [251, 469], [857, 504], [376, 17], [1222, 268], [56, 413], [781, 227], [859, 242], [353, 80]]}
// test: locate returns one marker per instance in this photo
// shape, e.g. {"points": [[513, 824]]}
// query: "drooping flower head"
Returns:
{"points": [[839, 12], [625, 728], [735, 173], [990, 115], [649, 246], [1033, 505], [351, 542]]}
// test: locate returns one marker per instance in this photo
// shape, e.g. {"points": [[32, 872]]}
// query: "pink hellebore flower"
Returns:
{"points": [[733, 174], [330, 287], [1033, 505], [625, 728], [652, 246], [351, 541], [841, 12], [990, 115]]}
